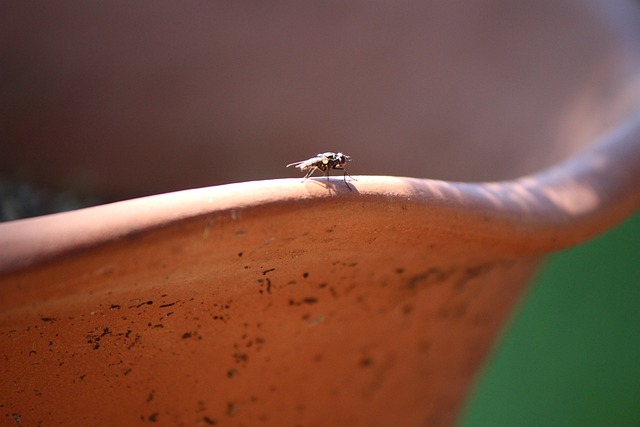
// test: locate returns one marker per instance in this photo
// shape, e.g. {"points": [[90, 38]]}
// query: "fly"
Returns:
{"points": [[325, 162]]}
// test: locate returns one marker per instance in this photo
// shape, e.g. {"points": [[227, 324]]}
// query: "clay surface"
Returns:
{"points": [[336, 313]]}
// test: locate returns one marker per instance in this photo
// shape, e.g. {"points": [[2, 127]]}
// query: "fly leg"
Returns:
{"points": [[345, 175], [308, 175]]}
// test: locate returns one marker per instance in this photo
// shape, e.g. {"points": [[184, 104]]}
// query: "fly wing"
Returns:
{"points": [[305, 164], [296, 163]]}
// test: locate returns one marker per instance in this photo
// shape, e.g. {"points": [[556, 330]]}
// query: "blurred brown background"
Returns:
{"points": [[123, 99]]}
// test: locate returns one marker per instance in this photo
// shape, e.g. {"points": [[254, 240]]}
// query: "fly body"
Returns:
{"points": [[324, 162]]}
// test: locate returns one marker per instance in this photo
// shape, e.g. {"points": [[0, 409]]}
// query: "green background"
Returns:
{"points": [[571, 356]]}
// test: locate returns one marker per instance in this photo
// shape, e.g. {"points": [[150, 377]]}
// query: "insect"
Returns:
{"points": [[324, 162]]}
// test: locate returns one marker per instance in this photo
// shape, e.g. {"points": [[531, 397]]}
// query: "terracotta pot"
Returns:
{"points": [[286, 303]]}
